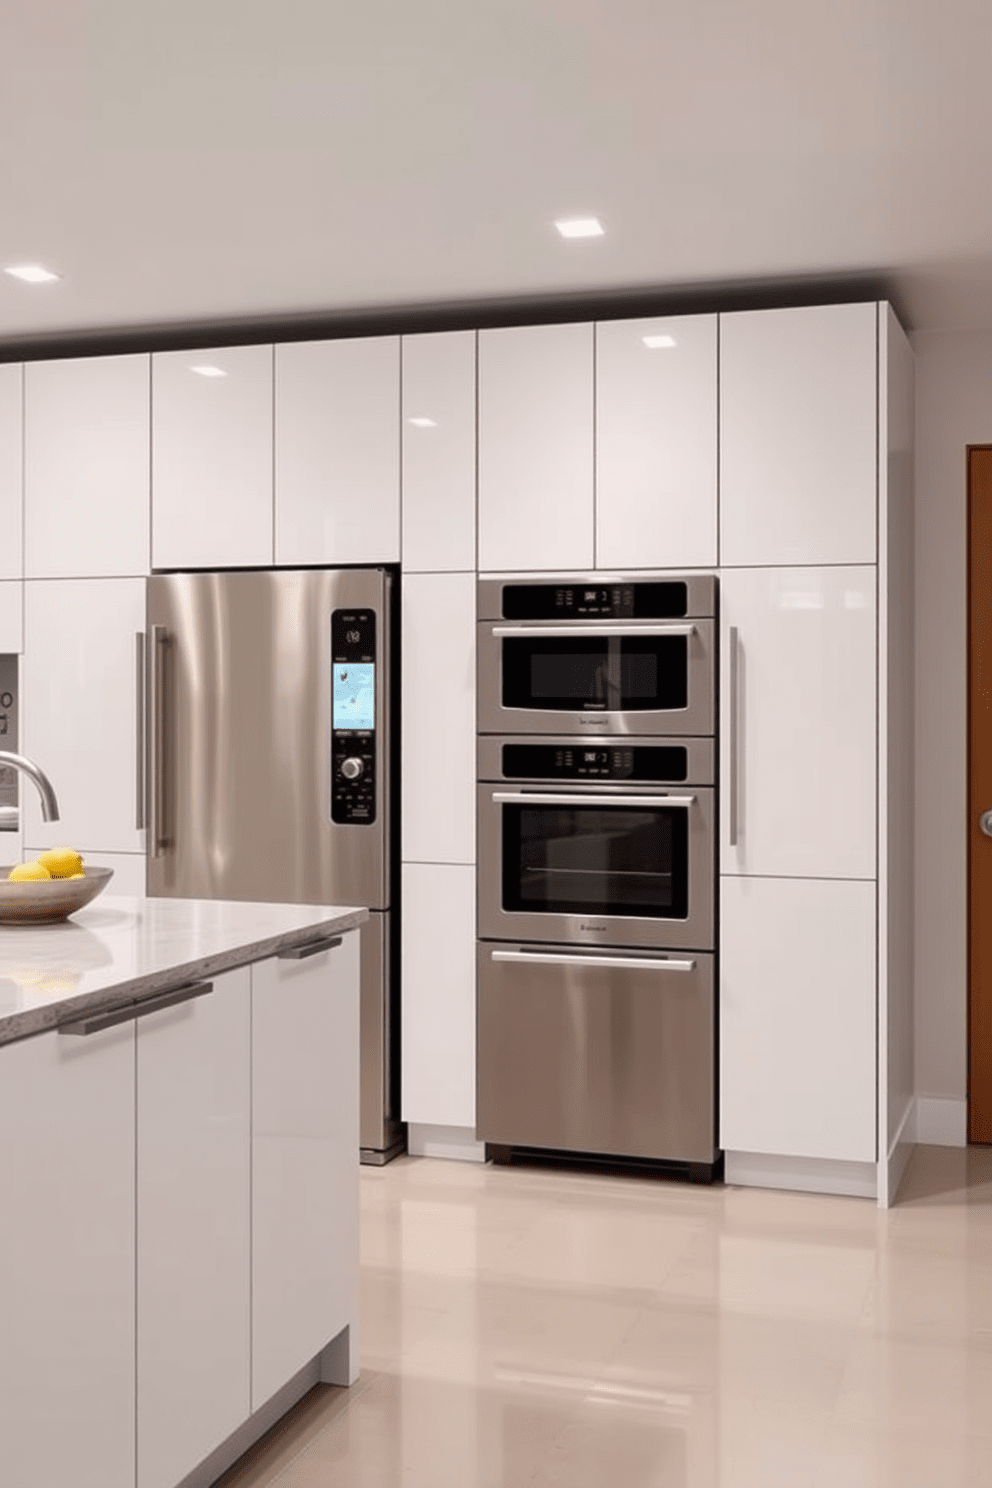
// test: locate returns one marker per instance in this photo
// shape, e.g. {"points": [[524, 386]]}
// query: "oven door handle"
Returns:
{"points": [[549, 798], [618, 629], [566, 958]]}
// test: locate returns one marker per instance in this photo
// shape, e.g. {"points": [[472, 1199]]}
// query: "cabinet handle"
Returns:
{"points": [[140, 703], [81, 1027], [158, 635], [313, 948], [734, 804]]}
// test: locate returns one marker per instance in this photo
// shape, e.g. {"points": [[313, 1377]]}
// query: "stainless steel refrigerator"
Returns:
{"points": [[269, 766]]}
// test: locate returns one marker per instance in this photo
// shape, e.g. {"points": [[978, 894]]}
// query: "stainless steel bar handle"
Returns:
{"points": [[733, 805], [620, 628], [157, 637], [549, 798], [568, 958], [140, 706], [82, 1027], [312, 948]]}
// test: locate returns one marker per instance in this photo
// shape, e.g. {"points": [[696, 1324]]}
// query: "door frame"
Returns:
{"points": [[979, 1122]]}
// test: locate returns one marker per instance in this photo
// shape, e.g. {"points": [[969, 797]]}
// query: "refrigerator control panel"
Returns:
{"points": [[353, 724]]}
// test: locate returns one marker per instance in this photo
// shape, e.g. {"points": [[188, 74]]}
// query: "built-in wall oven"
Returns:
{"points": [[597, 861]]}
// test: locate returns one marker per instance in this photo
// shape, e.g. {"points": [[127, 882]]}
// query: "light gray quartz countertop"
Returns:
{"points": [[119, 951]]}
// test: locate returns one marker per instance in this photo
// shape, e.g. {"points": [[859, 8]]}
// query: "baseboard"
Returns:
{"points": [[456, 1142], [801, 1174], [940, 1122]]}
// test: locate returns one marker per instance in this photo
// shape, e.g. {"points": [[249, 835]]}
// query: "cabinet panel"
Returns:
{"points": [[804, 747], [656, 443], [212, 501], [536, 447], [797, 1018], [438, 1016], [11, 618], [305, 1058], [798, 435], [80, 707], [438, 435], [193, 1214], [438, 748], [337, 459], [11, 469], [67, 1260], [87, 452]]}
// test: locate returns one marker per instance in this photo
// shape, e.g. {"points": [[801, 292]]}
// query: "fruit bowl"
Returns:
{"points": [[47, 901]]}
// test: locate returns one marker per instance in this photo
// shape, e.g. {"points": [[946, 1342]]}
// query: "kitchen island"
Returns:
{"points": [[179, 1165]]}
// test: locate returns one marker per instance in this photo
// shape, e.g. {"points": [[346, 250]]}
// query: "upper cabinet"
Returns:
{"points": [[798, 414], [212, 458], [86, 467], [337, 451], [536, 447], [11, 469], [656, 443], [438, 442]]}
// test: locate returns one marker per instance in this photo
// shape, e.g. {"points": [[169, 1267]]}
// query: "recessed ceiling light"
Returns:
{"points": [[423, 423], [655, 341], [32, 273], [209, 371], [580, 227]]}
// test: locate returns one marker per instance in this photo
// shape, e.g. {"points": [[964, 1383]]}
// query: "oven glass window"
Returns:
{"points": [[597, 860], [621, 674]]}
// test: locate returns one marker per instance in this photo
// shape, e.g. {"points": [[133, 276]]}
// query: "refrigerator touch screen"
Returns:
{"points": [[354, 695]]}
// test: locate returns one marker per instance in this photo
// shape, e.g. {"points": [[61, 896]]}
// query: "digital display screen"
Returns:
{"points": [[354, 695]]}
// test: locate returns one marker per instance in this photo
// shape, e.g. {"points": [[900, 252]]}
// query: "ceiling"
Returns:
{"points": [[214, 162]]}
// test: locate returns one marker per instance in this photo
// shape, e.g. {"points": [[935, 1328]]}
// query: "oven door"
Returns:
{"points": [[596, 1052], [597, 865], [619, 677]]}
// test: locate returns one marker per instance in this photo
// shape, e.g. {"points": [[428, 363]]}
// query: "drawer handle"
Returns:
{"points": [[82, 1027], [300, 953], [561, 958]]}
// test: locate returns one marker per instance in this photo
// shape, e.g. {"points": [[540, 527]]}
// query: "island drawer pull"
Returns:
{"points": [[81, 1027], [314, 948]]}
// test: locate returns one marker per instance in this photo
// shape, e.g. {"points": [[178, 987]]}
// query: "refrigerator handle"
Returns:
{"points": [[140, 819], [158, 636]]}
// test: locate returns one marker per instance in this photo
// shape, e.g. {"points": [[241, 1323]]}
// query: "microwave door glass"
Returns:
{"points": [[615, 674]]}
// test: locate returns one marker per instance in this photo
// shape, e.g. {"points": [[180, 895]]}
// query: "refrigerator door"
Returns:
{"points": [[241, 694]]}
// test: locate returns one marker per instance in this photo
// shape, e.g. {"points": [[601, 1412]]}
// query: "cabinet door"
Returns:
{"points": [[87, 451], [193, 1357], [798, 435], [212, 458], [438, 438], [67, 1260], [80, 707], [11, 622], [798, 722], [536, 447], [438, 746], [337, 451], [797, 1018], [304, 1159], [656, 443], [438, 982], [11, 469]]}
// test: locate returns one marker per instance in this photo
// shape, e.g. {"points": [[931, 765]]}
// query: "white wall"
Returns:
{"points": [[953, 409]]}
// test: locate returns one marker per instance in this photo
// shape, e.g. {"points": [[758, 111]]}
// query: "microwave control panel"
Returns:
{"points": [[353, 721], [666, 599]]}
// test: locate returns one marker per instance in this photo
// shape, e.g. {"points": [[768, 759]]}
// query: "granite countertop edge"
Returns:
{"points": [[28, 1022]]}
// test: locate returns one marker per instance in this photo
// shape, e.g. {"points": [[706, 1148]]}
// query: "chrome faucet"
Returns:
{"points": [[49, 803]]}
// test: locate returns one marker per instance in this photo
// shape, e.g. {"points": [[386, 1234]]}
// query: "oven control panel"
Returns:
{"points": [[353, 722], [667, 599], [580, 761]]}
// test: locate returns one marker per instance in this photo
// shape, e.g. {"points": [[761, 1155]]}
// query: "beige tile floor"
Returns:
{"points": [[522, 1327]]}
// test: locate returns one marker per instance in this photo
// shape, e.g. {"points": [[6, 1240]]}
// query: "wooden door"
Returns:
{"points": [[979, 793]]}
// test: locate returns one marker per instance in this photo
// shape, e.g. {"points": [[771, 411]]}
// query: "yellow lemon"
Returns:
{"points": [[28, 872], [61, 862]]}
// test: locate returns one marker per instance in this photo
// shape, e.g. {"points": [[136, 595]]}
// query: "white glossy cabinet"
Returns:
{"points": [[438, 982], [11, 469], [536, 447], [438, 723], [67, 1160], [212, 501], [799, 728], [797, 1018], [656, 443], [11, 618], [337, 451], [79, 709], [438, 442], [87, 453], [193, 1237], [798, 433], [304, 1160]]}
